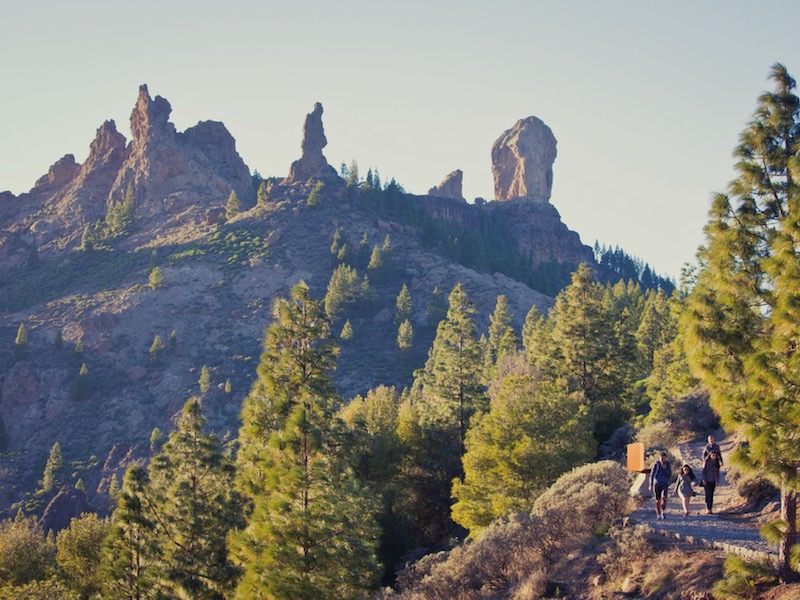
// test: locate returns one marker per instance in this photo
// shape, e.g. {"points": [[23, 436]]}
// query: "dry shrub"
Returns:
{"points": [[630, 546], [659, 435], [513, 557]]}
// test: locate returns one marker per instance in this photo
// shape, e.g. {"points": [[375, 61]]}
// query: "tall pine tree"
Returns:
{"points": [[190, 497], [743, 321], [311, 530]]}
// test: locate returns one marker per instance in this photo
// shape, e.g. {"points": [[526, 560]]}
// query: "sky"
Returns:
{"points": [[646, 99]]}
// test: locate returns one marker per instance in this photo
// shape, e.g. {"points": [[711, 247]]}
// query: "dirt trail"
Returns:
{"points": [[727, 529]]}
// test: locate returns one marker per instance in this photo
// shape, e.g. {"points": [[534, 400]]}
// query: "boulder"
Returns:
{"points": [[451, 186], [68, 504], [522, 161], [312, 163]]}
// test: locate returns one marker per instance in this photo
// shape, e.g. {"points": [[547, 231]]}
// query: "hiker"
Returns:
{"points": [[712, 446], [683, 487], [660, 476], [709, 479]]}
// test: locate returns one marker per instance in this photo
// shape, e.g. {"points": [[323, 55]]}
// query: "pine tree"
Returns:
{"points": [[405, 335], [173, 341], [352, 174], [585, 348], [156, 439], [156, 349], [53, 470], [82, 388], [403, 307], [128, 566], [156, 278], [21, 343], [80, 551], [26, 554], [375, 259], [204, 381], [113, 491], [437, 307], [228, 386], [190, 497], [315, 197], [347, 331], [233, 206], [87, 239], [534, 432], [58, 340], [344, 289], [742, 316], [502, 338], [310, 531], [451, 389], [447, 395], [79, 348], [120, 214], [262, 196]]}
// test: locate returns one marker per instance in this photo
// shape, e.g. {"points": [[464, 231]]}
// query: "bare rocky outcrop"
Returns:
{"points": [[312, 163], [67, 504], [60, 174], [522, 161], [451, 186], [175, 176]]}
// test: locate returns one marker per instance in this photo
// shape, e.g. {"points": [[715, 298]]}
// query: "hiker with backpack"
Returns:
{"points": [[660, 476]]}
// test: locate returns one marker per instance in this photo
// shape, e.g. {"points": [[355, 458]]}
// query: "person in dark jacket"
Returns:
{"points": [[712, 446], [660, 476], [709, 478]]}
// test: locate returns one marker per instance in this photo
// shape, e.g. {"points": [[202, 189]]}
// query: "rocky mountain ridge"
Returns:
{"points": [[219, 281]]}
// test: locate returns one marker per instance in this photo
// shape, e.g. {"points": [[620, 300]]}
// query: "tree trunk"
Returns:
{"points": [[789, 515]]}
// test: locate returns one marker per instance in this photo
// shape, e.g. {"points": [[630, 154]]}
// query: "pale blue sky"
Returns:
{"points": [[646, 99]]}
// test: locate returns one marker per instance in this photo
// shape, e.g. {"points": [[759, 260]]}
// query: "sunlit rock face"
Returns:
{"points": [[451, 186], [522, 161], [312, 163]]}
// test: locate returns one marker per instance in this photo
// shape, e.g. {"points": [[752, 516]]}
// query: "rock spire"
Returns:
{"points": [[522, 161], [312, 163]]}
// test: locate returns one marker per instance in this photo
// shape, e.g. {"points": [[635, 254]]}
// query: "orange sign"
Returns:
{"points": [[636, 457]]}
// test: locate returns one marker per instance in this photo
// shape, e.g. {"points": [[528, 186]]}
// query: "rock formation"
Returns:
{"points": [[522, 161], [178, 176], [59, 175], [451, 186], [66, 505], [312, 163]]}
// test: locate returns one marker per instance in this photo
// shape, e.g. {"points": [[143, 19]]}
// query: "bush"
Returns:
{"points": [[659, 435], [513, 557], [592, 496], [741, 578]]}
